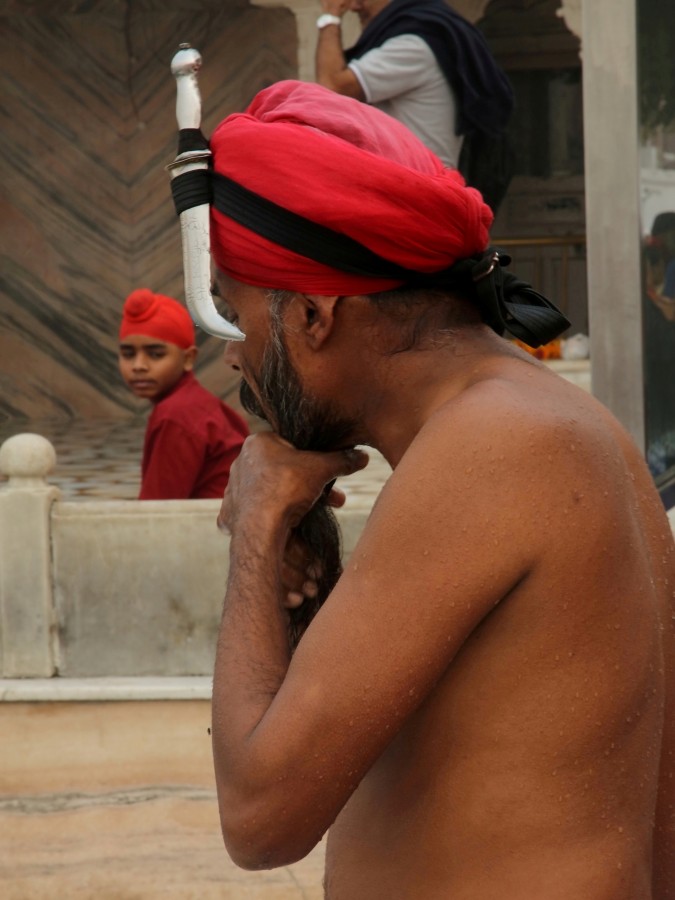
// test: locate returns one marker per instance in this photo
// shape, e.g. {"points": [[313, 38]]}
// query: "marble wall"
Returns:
{"points": [[87, 121]]}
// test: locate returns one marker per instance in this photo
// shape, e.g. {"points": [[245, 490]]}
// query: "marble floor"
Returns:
{"points": [[116, 801], [100, 459]]}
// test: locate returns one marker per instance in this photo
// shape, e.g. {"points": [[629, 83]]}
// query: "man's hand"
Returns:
{"points": [[299, 573], [335, 7], [272, 481]]}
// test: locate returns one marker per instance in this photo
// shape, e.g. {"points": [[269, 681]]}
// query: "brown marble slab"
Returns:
{"points": [[116, 801], [87, 117]]}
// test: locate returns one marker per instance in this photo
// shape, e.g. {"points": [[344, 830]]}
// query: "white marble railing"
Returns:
{"points": [[109, 588]]}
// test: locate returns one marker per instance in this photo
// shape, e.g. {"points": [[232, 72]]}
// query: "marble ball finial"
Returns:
{"points": [[28, 456]]}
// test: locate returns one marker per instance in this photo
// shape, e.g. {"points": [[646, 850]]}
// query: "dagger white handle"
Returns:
{"points": [[184, 67], [194, 223]]}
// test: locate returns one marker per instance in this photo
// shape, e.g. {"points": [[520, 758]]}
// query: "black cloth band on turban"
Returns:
{"points": [[506, 303]]}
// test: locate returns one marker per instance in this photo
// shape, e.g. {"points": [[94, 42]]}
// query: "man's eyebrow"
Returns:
{"points": [[155, 346]]}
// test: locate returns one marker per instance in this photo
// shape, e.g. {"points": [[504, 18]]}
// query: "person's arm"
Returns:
{"points": [[293, 737], [174, 459], [264, 501], [331, 68]]}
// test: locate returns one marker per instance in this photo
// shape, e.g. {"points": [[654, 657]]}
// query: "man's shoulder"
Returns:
{"points": [[414, 42], [517, 438], [398, 48], [197, 411]]}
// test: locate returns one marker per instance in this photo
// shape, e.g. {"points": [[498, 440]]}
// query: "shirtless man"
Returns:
{"points": [[484, 706]]}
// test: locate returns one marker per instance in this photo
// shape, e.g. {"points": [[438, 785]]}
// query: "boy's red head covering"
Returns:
{"points": [[348, 167], [157, 316]]}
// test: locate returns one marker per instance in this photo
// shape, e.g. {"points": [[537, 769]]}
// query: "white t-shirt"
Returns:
{"points": [[403, 79]]}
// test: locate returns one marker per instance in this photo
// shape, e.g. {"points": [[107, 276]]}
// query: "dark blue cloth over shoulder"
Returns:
{"points": [[483, 92]]}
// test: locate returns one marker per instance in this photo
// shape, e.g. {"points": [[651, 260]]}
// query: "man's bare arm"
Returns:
{"points": [[253, 648], [332, 70]]}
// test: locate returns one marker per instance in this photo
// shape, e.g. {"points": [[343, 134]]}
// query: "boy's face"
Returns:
{"points": [[150, 368]]}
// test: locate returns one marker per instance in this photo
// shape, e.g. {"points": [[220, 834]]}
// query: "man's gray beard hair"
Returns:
{"points": [[308, 425]]}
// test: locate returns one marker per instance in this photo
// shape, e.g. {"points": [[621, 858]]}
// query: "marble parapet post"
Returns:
{"points": [[26, 595]]}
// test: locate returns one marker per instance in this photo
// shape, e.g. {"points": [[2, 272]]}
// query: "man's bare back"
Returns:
{"points": [[477, 710], [531, 768]]}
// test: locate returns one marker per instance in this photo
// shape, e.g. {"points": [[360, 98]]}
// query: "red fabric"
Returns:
{"points": [[350, 167], [191, 440], [157, 316]]}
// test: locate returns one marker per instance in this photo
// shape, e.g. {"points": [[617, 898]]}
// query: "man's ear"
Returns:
{"points": [[189, 357], [319, 316]]}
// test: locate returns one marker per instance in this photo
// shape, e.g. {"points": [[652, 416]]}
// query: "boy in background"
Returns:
{"points": [[192, 437]]}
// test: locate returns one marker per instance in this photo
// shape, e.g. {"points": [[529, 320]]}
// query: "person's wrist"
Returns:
{"points": [[327, 19]]}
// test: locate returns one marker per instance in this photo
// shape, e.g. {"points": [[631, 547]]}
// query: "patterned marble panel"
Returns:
{"points": [[87, 120]]}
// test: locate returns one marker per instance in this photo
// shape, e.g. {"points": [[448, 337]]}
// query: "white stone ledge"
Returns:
{"points": [[80, 690]]}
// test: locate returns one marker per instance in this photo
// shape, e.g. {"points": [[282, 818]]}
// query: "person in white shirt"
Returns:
{"points": [[422, 63]]}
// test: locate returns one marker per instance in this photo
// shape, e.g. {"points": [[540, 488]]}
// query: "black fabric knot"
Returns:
{"points": [[507, 303]]}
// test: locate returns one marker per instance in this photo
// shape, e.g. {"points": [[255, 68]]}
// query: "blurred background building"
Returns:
{"points": [[88, 125]]}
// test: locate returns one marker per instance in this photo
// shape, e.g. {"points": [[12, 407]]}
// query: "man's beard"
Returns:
{"points": [[308, 425], [293, 414]]}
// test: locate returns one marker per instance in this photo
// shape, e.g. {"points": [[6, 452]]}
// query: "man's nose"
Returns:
{"points": [[139, 363], [231, 355]]}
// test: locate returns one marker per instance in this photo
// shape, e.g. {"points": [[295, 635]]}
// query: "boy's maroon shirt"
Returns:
{"points": [[191, 440]]}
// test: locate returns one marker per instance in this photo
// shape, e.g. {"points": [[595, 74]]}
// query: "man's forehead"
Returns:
{"points": [[233, 291]]}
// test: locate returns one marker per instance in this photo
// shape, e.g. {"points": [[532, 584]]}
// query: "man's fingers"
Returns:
{"points": [[336, 498], [351, 460], [294, 599]]}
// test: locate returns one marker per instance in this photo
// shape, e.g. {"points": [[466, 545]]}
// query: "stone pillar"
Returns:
{"points": [[26, 597], [611, 142], [570, 12]]}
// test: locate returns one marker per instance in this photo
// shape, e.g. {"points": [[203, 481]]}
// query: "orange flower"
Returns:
{"points": [[546, 351]]}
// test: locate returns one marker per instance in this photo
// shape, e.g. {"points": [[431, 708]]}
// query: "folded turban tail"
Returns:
{"points": [[315, 192]]}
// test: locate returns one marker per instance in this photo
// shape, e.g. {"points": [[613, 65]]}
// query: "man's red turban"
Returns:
{"points": [[157, 316], [370, 187]]}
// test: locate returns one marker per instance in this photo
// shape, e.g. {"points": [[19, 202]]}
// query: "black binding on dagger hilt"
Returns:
{"points": [[506, 303], [190, 139]]}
